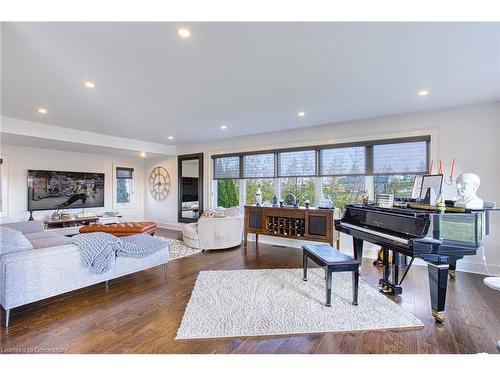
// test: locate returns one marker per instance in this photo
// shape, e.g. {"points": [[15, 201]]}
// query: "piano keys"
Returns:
{"points": [[439, 239]]}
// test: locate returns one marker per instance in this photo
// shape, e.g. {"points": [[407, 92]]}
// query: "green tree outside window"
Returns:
{"points": [[227, 193]]}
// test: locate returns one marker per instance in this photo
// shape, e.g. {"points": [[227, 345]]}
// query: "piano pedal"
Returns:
{"points": [[388, 288]]}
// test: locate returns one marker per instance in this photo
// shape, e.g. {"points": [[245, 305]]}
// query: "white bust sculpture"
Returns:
{"points": [[467, 185]]}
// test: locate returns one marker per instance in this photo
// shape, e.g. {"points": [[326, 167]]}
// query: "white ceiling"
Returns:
{"points": [[253, 77]]}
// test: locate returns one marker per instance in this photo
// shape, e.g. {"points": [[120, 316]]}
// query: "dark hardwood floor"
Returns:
{"points": [[141, 313]]}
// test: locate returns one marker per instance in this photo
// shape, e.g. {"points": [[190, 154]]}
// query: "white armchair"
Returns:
{"points": [[211, 233]]}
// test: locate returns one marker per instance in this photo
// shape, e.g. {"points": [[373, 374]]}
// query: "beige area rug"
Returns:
{"points": [[278, 302], [178, 249]]}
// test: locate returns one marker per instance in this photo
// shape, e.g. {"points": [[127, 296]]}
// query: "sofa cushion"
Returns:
{"points": [[12, 240], [40, 240]]}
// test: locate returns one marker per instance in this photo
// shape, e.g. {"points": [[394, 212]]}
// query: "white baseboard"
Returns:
{"points": [[479, 268]]}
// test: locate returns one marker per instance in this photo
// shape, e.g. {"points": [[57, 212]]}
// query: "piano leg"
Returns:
{"points": [[395, 267], [386, 263], [453, 267], [357, 245], [438, 283]]}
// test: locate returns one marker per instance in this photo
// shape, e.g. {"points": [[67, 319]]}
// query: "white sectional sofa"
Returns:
{"points": [[54, 267]]}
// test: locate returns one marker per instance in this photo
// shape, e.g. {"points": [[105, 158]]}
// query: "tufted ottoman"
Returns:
{"points": [[122, 229]]}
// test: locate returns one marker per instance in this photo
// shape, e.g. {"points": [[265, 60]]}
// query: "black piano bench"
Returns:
{"points": [[333, 261]]}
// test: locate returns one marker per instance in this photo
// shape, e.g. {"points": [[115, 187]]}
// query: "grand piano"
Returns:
{"points": [[439, 239]]}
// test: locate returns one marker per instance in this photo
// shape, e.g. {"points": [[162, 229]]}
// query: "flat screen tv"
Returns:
{"points": [[54, 190]]}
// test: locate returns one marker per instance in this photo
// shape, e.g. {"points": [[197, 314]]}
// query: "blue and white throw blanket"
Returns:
{"points": [[99, 249]]}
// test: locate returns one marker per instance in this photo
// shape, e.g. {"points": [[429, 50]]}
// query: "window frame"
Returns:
{"points": [[132, 203], [368, 172], [318, 160]]}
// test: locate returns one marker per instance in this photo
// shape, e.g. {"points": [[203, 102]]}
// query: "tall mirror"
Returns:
{"points": [[190, 168]]}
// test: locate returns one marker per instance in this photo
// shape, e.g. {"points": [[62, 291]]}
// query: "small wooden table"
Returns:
{"points": [[333, 261]]}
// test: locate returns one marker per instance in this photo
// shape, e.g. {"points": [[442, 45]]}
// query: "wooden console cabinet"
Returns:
{"points": [[307, 224]]}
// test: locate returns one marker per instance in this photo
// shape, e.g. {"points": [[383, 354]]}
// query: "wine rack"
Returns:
{"points": [[285, 226]]}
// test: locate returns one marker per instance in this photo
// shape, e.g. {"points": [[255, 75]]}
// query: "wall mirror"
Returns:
{"points": [[190, 168]]}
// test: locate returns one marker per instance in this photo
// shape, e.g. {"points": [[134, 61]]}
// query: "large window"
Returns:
{"points": [[343, 173]]}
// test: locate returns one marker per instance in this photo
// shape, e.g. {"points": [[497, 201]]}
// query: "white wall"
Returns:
{"points": [[469, 134], [20, 159], [164, 212]]}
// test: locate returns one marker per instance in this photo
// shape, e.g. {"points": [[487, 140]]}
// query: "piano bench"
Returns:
{"points": [[333, 261]]}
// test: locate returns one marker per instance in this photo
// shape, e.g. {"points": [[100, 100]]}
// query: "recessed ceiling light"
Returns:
{"points": [[43, 111], [223, 127], [423, 93], [170, 137], [301, 114], [143, 154], [89, 85], [183, 32]]}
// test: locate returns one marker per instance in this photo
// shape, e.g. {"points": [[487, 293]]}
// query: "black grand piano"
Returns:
{"points": [[439, 239]]}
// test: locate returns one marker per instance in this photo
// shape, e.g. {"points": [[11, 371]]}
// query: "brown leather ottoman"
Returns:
{"points": [[122, 229]]}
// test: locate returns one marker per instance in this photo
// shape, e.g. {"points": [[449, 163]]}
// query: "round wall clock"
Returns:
{"points": [[159, 183]]}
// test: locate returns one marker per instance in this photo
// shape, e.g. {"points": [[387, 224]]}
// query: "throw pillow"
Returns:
{"points": [[12, 240]]}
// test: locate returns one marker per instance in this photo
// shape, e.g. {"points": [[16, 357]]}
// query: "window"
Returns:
{"points": [[258, 166], [297, 163], [344, 189], [124, 185], [228, 193], [343, 173], [400, 158], [266, 188], [227, 167], [343, 161], [303, 188], [399, 185]]}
